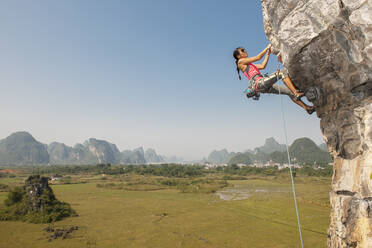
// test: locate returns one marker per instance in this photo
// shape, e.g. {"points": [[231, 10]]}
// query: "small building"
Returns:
{"points": [[55, 177]]}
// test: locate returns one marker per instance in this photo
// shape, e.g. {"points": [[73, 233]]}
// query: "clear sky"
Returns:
{"points": [[156, 74]]}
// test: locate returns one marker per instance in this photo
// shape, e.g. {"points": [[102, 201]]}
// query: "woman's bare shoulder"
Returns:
{"points": [[242, 66]]}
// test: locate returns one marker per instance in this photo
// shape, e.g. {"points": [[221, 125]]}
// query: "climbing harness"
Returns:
{"points": [[289, 161], [251, 91]]}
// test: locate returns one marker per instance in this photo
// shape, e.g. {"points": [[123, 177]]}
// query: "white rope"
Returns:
{"points": [[289, 161]]}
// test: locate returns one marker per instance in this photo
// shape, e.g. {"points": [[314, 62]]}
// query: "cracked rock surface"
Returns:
{"points": [[327, 45]]}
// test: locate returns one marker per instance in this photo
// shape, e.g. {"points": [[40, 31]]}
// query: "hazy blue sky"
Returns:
{"points": [[156, 74]]}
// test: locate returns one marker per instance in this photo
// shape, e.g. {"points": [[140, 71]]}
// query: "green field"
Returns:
{"points": [[167, 218]]}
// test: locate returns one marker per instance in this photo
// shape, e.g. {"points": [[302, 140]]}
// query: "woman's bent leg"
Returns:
{"points": [[267, 82], [285, 91], [288, 82]]}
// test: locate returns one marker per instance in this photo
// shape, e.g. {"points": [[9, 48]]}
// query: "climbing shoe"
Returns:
{"points": [[250, 92], [310, 110]]}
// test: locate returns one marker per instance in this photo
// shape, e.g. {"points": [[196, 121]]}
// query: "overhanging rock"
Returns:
{"points": [[327, 45]]}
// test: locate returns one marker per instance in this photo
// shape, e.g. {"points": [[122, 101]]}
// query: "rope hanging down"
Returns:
{"points": [[289, 160]]}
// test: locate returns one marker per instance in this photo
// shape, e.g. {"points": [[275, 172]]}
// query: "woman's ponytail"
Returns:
{"points": [[235, 55], [238, 70]]}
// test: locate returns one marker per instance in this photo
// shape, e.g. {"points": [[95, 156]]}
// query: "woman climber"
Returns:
{"points": [[266, 84]]}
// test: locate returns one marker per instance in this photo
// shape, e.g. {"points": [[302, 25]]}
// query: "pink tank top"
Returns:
{"points": [[252, 71]]}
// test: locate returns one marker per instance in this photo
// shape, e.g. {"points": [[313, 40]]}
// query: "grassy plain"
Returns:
{"points": [[167, 218]]}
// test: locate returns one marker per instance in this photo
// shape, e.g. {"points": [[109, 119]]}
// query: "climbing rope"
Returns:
{"points": [[289, 160]]}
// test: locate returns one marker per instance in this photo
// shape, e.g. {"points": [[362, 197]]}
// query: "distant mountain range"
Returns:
{"points": [[302, 151], [270, 146], [257, 154], [21, 148], [324, 147], [220, 157]]}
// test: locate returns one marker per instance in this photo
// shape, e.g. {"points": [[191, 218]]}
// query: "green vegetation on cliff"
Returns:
{"points": [[303, 151], [241, 158], [34, 202]]}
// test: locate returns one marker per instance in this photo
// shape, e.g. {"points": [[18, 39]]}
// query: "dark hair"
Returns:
{"points": [[235, 55]]}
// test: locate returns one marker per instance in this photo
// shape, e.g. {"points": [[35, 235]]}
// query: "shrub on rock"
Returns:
{"points": [[35, 202]]}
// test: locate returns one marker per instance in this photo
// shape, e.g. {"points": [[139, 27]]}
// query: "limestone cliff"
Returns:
{"points": [[326, 47], [34, 202]]}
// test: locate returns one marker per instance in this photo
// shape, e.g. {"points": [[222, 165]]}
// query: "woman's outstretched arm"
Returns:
{"points": [[264, 63], [246, 61]]}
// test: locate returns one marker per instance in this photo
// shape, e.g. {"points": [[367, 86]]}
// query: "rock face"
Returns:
{"points": [[241, 158], [21, 148], [305, 151], [60, 154], [35, 186], [137, 156], [271, 145], [93, 151], [220, 157], [103, 151], [327, 44], [323, 146], [152, 157], [34, 202]]}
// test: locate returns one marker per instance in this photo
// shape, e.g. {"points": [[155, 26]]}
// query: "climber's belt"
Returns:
{"points": [[256, 76]]}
